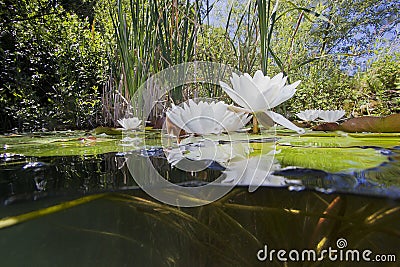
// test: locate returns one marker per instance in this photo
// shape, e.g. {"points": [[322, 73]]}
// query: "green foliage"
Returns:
{"points": [[64, 60], [381, 83], [313, 43], [372, 92], [325, 87], [53, 67]]}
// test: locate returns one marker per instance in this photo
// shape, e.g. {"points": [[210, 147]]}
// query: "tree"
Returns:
{"points": [[53, 65]]}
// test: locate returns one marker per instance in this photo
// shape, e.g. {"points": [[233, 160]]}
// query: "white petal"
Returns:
{"points": [[234, 95], [255, 100], [259, 78], [206, 118], [331, 115], [129, 123], [308, 115], [264, 119], [278, 118], [285, 94], [277, 78], [175, 118]]}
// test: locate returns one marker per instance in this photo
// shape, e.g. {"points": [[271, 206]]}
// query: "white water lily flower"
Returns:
{"points": [[262, 93], [308, 114], [331, 115], [130, 123], [207, 118]]}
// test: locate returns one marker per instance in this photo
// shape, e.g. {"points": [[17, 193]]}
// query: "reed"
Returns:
{"points": [[150, 36], [153, 35]]}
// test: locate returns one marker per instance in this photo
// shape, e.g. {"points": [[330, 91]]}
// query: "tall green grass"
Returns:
{"points": [[153, 35], [150, 36]]}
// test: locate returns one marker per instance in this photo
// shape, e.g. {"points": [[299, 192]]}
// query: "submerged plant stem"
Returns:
{"points": [[11, 221]]}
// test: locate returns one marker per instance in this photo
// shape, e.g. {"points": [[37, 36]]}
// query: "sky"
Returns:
{"points": [[389, 40]]}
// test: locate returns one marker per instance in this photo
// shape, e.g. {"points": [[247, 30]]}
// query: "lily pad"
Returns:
{"points": [[331, 152], [62, 147], [108, 131], [75, 143], [330, 159], [337, 139], [388, 124]]}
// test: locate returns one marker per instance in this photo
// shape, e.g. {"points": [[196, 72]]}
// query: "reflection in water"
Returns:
{"points": [[193, 164], [239, 166], [205, 149], [255, 170]]}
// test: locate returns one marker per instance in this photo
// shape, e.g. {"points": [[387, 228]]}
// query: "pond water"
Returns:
{"points": [[69, 199]]}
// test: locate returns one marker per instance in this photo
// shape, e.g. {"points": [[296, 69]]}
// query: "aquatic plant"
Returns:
{"points": [[205, 118], [387, 124], [261, 93], [331, 115], [325, 115], [149, 36], [130, 123], [308, 115]]}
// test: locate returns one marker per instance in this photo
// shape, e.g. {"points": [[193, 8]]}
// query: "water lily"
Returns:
{"points": [[130, 123], [206, 118], [308, 114], [331, 115], [262, 93]]}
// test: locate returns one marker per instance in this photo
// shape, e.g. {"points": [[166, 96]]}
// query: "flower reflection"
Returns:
{"points": [[195, 149], [255, 172], [240, 167]]}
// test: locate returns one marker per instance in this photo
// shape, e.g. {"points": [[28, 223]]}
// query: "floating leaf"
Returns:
{"points": [[107, 130], [388, 124], [343, 140], [329, 159]]}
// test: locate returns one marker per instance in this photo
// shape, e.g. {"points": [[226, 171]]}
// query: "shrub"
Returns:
{"points": [[53, 66]]}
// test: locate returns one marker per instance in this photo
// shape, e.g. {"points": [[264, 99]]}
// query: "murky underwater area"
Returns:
{"points": [[69, 199]]}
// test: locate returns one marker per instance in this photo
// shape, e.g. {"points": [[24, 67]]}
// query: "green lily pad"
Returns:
{"points": [[108, 131], [385, 140], [61, 147], [77, 143], [330, 159]]}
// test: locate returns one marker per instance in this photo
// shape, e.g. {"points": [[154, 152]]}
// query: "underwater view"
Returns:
{"points": [[65, 193]]}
